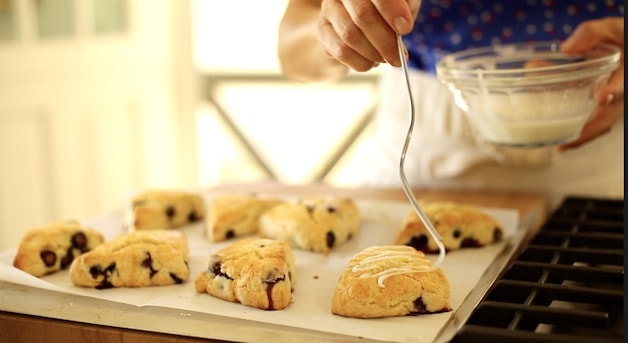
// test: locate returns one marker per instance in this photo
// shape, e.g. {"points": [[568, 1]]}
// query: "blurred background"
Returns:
{"points": [[100, 99]]}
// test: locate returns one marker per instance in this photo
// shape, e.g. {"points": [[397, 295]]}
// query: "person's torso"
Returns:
{"points": [[445, 26]]}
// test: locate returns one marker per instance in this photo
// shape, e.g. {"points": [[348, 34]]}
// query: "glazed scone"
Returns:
{"points": [[235, 215], [134, 259], [256, 272], [390, 281], [166, 209], [460, 226], [316, 224], [52, 247]]}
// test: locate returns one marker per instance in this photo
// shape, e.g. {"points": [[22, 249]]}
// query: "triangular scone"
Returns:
{"points": [[134, 259], [460, 226], [235, 215], [390, 281], [52, 247], [256, 272], [166, 209], [315, 224]]}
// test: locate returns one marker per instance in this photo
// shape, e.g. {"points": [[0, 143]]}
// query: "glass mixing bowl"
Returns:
{"points": [[528, 94]]}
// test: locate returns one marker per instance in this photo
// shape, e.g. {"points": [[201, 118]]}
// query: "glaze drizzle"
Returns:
{"points": [[399, 256]]}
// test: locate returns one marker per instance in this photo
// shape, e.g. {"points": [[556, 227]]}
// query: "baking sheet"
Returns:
{"points": [[315, 281]]}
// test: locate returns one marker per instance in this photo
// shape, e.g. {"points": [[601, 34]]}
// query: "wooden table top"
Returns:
{"points": [[17, 327]]}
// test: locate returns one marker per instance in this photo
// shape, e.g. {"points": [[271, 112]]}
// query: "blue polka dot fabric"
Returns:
{"points": [[445, 26]]}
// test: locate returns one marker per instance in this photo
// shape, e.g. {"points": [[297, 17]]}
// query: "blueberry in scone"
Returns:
{"points": [[166, 209], [316, 224], [235, 215], [52, 247], [256, 272], [134, 259], [390, 281], [459, 225]]}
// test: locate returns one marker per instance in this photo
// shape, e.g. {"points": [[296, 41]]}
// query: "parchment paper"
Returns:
{"points": [[315, 281]]}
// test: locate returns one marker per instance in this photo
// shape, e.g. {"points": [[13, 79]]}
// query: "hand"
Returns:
{"points": [[611, 101], [362, 33]]}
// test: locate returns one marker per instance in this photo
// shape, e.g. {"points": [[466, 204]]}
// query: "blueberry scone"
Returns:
{"points": [[52, 247], [316, 224], [134, 259], [390, 281], [235, 215], [460, 226], [256, 272], [165, 209]]}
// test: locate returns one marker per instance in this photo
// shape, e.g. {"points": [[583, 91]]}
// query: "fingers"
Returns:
{"points": [[614, 89], [592, 32], [379, 34], [362, 33], [608, 30], [604, 119], [343, 39], [397, 14]]}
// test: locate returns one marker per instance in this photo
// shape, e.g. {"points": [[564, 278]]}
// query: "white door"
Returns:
{"points": [[91, 106]]}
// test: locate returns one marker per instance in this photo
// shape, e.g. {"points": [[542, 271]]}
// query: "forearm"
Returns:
{"points": [[301, 56]]}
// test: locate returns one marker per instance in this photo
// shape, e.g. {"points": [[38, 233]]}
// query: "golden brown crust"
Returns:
{"points": [[166, 209], [459, 225], [52, 247], [134, 259], [236, 215], [316, 224], [388, 281], [256, 272]]}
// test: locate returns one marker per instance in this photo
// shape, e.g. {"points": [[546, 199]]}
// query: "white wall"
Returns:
{"points": [[86, 119]]}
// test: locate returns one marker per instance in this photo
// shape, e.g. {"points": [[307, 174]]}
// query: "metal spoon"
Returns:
{"points": [[402, 173]]}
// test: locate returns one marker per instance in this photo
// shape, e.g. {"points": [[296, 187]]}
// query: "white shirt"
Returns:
{"points": [[445, 152]]}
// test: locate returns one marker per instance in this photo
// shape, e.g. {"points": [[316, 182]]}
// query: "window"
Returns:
{"points": [[256, 125]]}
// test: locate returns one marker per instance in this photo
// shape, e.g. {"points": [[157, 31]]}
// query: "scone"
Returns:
{"points": [[316, 224], [235, 215], [256, 272], [460, 226], [166, 209], [390, 281], [134, 259], [52, 247]]}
